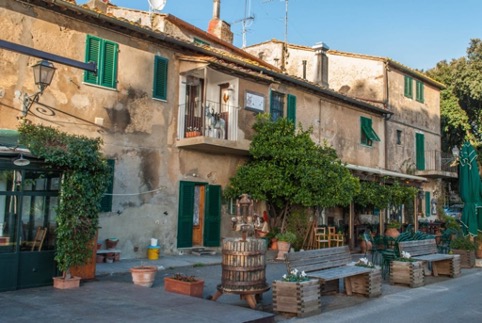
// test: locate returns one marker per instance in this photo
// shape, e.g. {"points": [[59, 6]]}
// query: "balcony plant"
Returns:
{"points": [[84, 180], [183, 284], [297, 293]]}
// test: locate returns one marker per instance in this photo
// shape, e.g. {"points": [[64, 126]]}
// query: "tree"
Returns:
{"points": [[287, 168], [461, 100]]}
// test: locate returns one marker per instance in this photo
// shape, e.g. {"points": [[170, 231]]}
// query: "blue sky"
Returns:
{"points": [[416, 33]]}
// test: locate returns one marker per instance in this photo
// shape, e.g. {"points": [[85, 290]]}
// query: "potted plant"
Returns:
{"points": [[406, 270], [393, 228], [285, 240], [478, 240], [297, 293], [183, 284], [143, 275], [84, 180], [463, 246]]}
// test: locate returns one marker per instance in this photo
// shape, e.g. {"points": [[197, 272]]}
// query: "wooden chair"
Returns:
{"points": [[321, 237], [38, 241], [336, 240]]}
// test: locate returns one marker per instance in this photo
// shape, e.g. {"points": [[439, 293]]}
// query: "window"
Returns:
{"points": [[104, 53], [106, 201], [291, 113], [368, 135], [276, 105], [160, 78], [399, 137], [408, 87], [420, 151], [419, 92]]}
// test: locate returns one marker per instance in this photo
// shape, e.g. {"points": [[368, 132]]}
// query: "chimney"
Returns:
{"points": [[321, 77], [218, 27]]}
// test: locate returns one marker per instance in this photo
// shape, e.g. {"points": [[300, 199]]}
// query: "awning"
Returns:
{"points": [[383, 172], [9, 138], [369, 132]]}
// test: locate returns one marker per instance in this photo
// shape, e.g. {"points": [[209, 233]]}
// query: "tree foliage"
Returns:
{"points": [[84, 180], [380, 195], [287, 168], [461, 100]]}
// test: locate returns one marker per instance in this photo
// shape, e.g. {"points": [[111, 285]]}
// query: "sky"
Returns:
{"points": [[416, 33]]}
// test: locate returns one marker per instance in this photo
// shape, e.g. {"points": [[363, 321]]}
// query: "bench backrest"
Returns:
{"points": [[418, 247], [318, 259]]}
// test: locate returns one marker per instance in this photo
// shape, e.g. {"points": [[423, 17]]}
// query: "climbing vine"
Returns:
{"points": [[84, 179], [380, 195]]}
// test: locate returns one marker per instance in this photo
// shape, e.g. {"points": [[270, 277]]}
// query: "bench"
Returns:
{"points": [[330, 265], [426, 251]]}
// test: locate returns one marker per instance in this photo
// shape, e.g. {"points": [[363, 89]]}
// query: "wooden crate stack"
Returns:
{"points": [[407, 273], [300, 298], [369, 284]]}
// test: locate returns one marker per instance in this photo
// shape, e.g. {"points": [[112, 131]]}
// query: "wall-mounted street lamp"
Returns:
{"points": [[43, 73]]}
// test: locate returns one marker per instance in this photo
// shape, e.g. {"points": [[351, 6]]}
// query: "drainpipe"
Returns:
{"points": [[386, 106]]}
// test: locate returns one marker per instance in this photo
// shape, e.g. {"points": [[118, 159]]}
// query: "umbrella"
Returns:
{"points": [[470, 189]]}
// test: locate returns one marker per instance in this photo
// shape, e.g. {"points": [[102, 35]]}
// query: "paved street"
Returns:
{"points": [[113, 298]]}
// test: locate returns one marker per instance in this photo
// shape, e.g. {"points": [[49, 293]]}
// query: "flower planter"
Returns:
{"points": [[467, 257], [190, 134], [143, 275], [300, 298], [407, 273], [63, 283], [283, 248], [194, 289]]}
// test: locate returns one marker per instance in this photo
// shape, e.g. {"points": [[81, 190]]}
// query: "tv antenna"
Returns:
{"points": [[286, 18], [247, 21]]}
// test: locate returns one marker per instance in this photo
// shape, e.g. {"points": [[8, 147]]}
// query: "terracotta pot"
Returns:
{"points": [[194, 289], [283, 248], [365, 246], [111, 243], [62, 283], [274, 244], [392, 232], [143, 275]]}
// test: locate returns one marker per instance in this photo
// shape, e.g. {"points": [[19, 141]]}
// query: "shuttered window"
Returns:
{"points": [[160, 78], [104, 53], [419, 96], [408, 87], [368, 135], [106, 202], [291, 113], [420, 151]]}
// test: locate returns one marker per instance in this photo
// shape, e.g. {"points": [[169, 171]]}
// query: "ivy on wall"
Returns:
{"points": [[84, 179]]}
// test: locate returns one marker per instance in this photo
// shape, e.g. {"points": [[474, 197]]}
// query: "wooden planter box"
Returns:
{"points": [[467, 258], [407, 273], [194, 289], [301, 298]]}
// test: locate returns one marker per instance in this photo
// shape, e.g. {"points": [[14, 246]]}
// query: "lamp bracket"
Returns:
{"points": [[28, 101]]}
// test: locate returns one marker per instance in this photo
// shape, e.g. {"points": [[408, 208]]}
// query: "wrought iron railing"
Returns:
{"points": [[210, 119], [440, 161]]}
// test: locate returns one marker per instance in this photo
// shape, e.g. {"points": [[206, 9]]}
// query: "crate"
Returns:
{"points": [[407, 273], [300, 298]]}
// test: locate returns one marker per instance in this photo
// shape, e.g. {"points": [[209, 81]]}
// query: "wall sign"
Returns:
{"points": [[254, 101]]}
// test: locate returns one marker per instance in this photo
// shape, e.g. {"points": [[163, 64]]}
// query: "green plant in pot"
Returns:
{"points": [[83, 183], [285, 239], [465, 247]]}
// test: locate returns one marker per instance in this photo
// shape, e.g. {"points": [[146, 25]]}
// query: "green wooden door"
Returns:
{"points": [[185, 217], [212, 226]]}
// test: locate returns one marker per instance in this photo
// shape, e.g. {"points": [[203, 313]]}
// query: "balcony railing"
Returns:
{"points": [[439, 161], [210, 119]]}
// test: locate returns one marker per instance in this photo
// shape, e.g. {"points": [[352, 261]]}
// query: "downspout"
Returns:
{"points": [[386, 106], [319, 121]]}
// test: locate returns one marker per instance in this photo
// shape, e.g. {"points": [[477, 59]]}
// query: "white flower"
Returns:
{"points": [[295, 271], [406, 255], [303, 274], [284, 276]]}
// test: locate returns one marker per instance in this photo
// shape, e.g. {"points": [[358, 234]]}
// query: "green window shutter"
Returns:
{"points": [[160, 78], [109, 64], [106, 201], [408, 87], [427, 204], [186, 212], [92, 52], [368, 135], [420, 151], [291, 113], [212, 224], [419, 94]]}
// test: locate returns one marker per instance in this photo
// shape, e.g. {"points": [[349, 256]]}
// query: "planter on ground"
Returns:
{"points": [[194, 288], [143, 275], [407, 273], [467, 257], [66, 283], [300, 298]]}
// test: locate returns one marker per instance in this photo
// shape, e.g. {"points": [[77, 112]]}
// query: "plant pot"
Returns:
{"points": [[392, 232], [300, 298], [143, 275], [194, 289], [64, 283], [283, 248], [99, 259], [274, 244], [111, 243], [467, 257]]}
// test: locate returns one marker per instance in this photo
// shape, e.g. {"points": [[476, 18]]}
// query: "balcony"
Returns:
{"points": [[211, 128], [438, 165]]}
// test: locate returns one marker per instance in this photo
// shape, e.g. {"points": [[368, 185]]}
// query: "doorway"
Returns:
{"points": [[199, 218]]}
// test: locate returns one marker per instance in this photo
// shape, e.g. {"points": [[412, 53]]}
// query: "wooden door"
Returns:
{"points": [[198, 216]]}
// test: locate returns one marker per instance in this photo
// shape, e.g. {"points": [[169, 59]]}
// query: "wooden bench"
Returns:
{"points": [[426, 251], [330, 265]]}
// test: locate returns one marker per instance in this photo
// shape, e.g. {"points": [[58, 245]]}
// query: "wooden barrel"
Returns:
{"points": [[243, 265]]}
